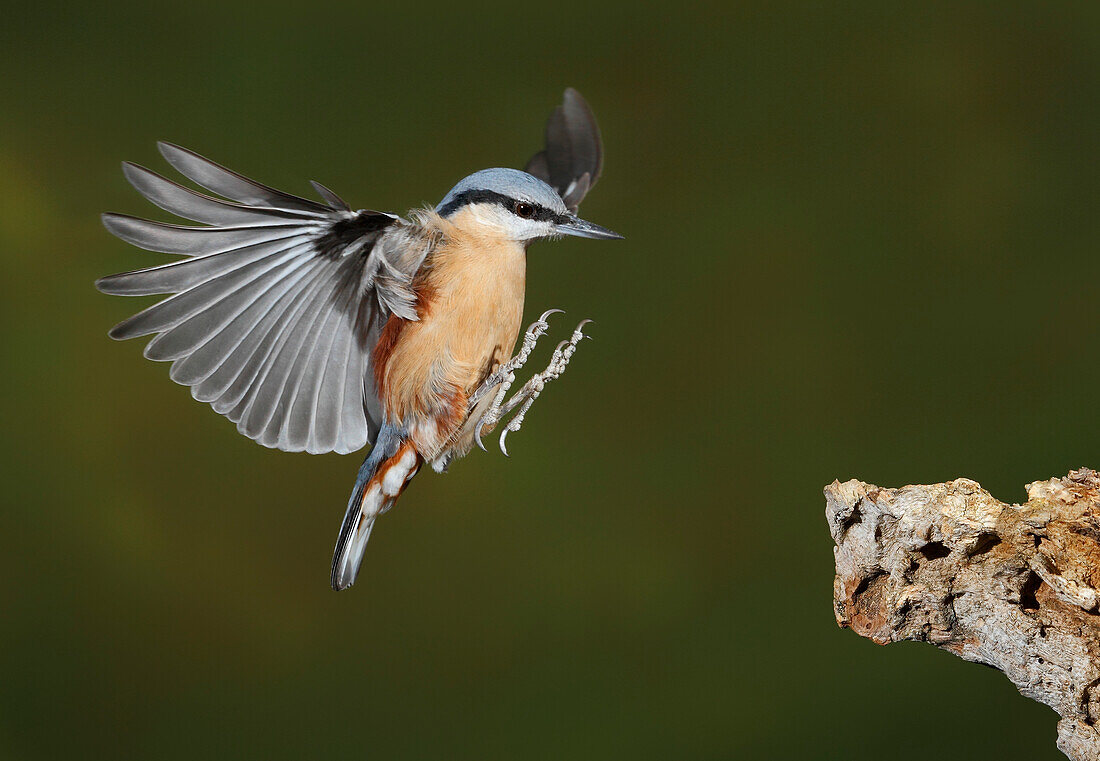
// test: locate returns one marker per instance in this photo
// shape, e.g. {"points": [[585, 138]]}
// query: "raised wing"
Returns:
{"points": [[573, 157], [276, 307]]}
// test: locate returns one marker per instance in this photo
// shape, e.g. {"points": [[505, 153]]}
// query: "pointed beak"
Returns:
{"points": [[582, 229]]}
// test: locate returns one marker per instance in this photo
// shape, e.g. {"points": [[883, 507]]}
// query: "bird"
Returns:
{"points": [[319, 328]]}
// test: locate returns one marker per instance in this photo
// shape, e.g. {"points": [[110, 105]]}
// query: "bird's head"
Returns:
{"points": [[517, 205]]}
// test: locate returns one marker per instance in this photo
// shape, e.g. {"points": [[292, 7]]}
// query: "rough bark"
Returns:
{"points": [[1011, 586]]}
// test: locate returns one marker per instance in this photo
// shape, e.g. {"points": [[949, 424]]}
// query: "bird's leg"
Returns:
{"points": [[530, 391], [504, 376], [502, 379]]}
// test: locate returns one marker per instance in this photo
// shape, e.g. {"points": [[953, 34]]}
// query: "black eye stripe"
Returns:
{"points": [[541, 213]]}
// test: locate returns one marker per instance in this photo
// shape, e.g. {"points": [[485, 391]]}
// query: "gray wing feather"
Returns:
{"points": [[303, 377], [194, 241], [334, 201], [219, 364], [190, 204], [572, 160], [222, 348], [214, 316], [195, 299], [227, 183], [274, 394], [272, 316], [304, 423], [328, 397], [181, 275], [256, 354], [261, 401]]}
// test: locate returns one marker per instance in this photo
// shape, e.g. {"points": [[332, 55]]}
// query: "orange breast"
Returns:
{"points": [[471, 305]]}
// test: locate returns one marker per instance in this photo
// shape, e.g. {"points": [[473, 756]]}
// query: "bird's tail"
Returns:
{"points": [[389, 467]]}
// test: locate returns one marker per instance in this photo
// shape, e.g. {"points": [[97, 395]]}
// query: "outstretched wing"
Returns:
{"points": [[573, 157], [277, 305]]}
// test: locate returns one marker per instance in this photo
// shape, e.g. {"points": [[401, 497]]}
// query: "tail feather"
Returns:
{"points": [[389, 467]]}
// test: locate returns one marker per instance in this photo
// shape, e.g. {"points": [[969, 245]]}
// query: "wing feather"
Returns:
{"points": [[272, 315], [206, 360], [572, 160], [228, 362], [174, 309], [235, 397], [184, 338], [199, 207], [334, 201], [258, 403], [185, 274], [300, 427], [289, 368], [227, 183], [194, 241]]}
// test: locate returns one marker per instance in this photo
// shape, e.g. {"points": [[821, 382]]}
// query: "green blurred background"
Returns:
{"points": [[862, 242]]}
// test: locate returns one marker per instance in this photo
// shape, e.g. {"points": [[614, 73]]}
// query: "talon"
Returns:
{"points": [[559, 353], [513, 425], [527, 395]]}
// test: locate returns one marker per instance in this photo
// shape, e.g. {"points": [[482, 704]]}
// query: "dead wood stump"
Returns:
{"points": [[1011, 586]]}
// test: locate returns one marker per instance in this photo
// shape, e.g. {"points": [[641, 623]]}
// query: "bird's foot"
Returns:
{"points": [[530, 391], [504, 376]]}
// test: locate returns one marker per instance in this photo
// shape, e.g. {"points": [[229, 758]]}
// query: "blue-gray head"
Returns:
{"points": [[522, 206]]}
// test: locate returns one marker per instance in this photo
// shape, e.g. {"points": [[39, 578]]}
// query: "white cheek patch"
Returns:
{"points": [[504, 222], [488, 216]]}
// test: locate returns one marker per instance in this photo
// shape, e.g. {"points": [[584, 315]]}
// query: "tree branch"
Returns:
{"points": [[1011, 586]]}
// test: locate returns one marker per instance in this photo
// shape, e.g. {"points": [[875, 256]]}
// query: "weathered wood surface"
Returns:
{"points": [[1012, 586]]}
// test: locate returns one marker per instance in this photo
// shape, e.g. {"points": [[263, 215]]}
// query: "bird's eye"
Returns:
{"points": [[524, 210]]}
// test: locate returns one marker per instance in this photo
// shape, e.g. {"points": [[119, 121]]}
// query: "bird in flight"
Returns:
{"points": [[318, 328]]}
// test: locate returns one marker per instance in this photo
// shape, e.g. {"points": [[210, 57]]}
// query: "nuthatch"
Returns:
{"points": [[318, 328]]}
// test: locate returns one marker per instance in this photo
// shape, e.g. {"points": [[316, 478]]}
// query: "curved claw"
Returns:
{"points": [[504, 434], [537, 328], [561, 356]]}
